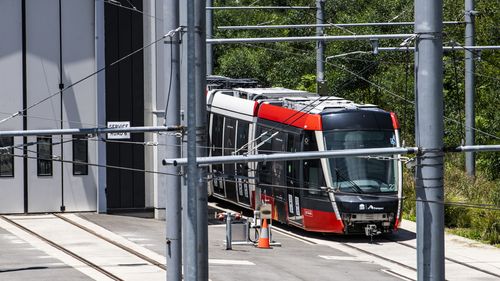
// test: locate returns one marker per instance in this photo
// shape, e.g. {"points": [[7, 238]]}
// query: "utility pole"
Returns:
{"points": [[173, 213], [210, 29], [193, 76], [429, 138], [470, 91], [320, 48], [201, 136]]}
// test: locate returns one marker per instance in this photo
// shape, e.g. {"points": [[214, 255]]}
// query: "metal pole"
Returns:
{"points": [[478, 148], [173, 213], [190, 225], [293, 156], [470, 91], [279, 26], [307, 38], [429, 138], [320, 48], [260, 8], [100, 104], [229, 230], [88, 131], [201, 140], [445, 48], [210, 28]]}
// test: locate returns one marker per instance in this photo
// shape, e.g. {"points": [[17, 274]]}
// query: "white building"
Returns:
{"points": [[48, 45]]}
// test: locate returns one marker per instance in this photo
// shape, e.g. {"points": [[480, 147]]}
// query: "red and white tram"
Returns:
{"points": [[338, 195]]}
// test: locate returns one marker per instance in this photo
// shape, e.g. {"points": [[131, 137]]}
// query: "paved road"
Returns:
{"points": [[302, 256]]}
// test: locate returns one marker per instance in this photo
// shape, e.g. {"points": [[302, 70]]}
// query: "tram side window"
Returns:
{"points": [[80, 155], [242, 144], [263, 135], [44, 156], [216, 145], [217, 127], [229, 144], [6, 157], [313, 174], [278, 144], [292, 170], [242, 137]]}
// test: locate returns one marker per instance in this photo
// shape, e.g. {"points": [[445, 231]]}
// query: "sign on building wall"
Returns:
{"points": [[119, 124]]}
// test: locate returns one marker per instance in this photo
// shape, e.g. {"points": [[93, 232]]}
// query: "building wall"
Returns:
{"points": [[11, 93], [58, 51]]}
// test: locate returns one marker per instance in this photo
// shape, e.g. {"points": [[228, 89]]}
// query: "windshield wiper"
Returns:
{"points": [[353, 185]]}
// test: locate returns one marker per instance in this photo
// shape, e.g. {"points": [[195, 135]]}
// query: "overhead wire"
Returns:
{"points": [[63, 90], [56, 158], [132, 8]]}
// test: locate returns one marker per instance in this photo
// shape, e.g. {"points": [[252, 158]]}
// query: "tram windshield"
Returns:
{"points": [[362, 174]]}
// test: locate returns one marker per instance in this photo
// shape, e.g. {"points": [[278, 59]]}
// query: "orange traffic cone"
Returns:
{"points": [[264, 236]]}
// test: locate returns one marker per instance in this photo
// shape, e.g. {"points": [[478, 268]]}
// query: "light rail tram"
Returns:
{"points": [[337, 195]]}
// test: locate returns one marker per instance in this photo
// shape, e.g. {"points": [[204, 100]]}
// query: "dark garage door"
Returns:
{"points": [[125, 102]]}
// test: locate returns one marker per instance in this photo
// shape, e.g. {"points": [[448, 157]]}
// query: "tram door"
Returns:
{"points": [[242, 168], [278, 179], [293, 180], [229, 148]]}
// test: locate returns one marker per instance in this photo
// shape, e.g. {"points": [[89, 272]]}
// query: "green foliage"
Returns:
{"points": [[481, 222], [385, 79]]}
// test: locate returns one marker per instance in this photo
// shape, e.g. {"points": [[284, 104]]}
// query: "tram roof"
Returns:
{"points": [[272, 93]]}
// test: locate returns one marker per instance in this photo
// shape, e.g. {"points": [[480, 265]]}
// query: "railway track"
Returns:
{"points": [[448, 259], [105, 269], [356, 244]]}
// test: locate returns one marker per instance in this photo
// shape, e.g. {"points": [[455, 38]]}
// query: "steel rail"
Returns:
{"points": [[448, 259], [66, 251]]}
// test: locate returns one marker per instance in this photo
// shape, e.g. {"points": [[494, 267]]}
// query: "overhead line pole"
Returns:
{"points": [[201, 138], [320, 48], [193, 76], [210, 29], [429, 138], [190, 241], [173, 211], [470, 91]]}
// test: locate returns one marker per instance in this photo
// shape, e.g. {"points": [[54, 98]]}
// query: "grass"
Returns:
{"points": [[481, 221]]}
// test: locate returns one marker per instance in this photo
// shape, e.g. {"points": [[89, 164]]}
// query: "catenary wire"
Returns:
{"points": [[133, 8], [56, 159]]}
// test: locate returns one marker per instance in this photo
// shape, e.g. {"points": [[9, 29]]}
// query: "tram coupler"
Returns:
{"points": [[372, 230]]}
